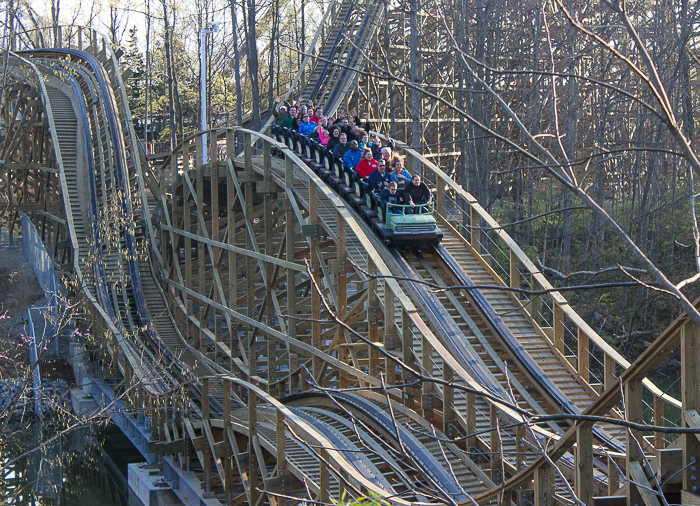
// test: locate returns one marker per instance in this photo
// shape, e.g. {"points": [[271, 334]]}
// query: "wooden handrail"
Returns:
{"points": [[557, 298]]}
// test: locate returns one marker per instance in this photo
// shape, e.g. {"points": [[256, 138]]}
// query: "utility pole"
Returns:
{"points": [[211, 28]]}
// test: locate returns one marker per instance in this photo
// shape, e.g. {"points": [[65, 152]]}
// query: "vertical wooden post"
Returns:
{"points": [[496, 460], [449, 418], [214, 186], [341, 277], [231, 144], [520, 436], [317, 364], [584, 356], [558, 324], [187, 222], [343, 376], [231, 239], [475, 230], [168, 182], [268, 203], [690, 397], [247, 151], [584, 463], [544, 486], [213, 149], [514, 272], [205, 446], [250, 265], [408, 358], [201, 250], [440, 196], [427, 390], [535, 305], [373, 322], [290, 220], [205, 398], [391, 333], [634, 409], [93, 42], [659, 421], [406, 338], [609, 371], [252, 457], [613, 477], [470, 416], [413, 164], [281, 455], [228, 451], [324, 496]]}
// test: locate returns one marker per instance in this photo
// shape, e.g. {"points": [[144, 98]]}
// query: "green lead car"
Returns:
{"points": [[409, 230]]}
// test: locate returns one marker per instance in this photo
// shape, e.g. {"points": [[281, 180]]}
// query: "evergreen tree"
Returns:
{"points": [[133, 66]]}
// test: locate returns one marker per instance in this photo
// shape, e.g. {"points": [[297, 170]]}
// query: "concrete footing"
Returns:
{"points": [[147, 487], [186, 485], [150, 484]]}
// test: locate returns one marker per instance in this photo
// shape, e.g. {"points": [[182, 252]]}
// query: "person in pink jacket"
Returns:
{"points": [[323, 135]]}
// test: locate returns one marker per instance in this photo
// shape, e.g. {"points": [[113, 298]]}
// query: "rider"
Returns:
{"points": [[416, 193]]}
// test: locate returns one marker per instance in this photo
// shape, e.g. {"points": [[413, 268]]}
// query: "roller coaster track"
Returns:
{"points": [[279, 349]]}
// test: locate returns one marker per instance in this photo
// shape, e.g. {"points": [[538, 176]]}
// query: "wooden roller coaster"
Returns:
{"points": [[275, 347]]}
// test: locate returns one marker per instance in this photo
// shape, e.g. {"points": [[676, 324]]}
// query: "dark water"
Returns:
{"points": [[84, 467]]}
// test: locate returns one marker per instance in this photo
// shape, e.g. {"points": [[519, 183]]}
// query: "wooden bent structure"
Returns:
{"points": [[283, 354]]}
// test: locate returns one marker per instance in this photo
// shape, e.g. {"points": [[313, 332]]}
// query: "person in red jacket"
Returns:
{"points": [[318, 114], [367, 165]]}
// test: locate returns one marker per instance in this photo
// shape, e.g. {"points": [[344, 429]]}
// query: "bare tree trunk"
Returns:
{"points": [[147, 104], [169, 72], [176, 87], [9, 30], [461, 36], [479, 106], [273, 38], [569, 146], [55, 14], [415, 94], [390, 89], [253, 65], [236, 65], [687, 93], [113, 24]]}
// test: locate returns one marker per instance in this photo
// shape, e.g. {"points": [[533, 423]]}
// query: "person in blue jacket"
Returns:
{"points": [[352, 156], [306, 126], [399, 174]]}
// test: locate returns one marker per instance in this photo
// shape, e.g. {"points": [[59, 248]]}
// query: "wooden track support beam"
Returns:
{"points": [[634, 410], [690, 398]]}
